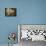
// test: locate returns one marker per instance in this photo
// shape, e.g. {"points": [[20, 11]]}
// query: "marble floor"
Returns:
{"points": [[28, 43], [32, 43]]}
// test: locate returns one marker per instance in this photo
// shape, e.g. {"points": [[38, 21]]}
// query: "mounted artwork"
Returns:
{"points": [[32, 32], [10, 11]]}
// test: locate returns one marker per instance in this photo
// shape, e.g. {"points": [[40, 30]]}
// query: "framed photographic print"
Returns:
{"points": [[32, 32], [10, 11]]}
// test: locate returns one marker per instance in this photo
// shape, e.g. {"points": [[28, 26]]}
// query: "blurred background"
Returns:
{"points": [[28, 12]]}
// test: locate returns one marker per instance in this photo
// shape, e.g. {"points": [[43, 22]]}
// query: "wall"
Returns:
{"points": [[28, 12]]}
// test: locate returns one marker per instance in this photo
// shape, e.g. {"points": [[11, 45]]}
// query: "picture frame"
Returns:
{"points": [[10, 12]]}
